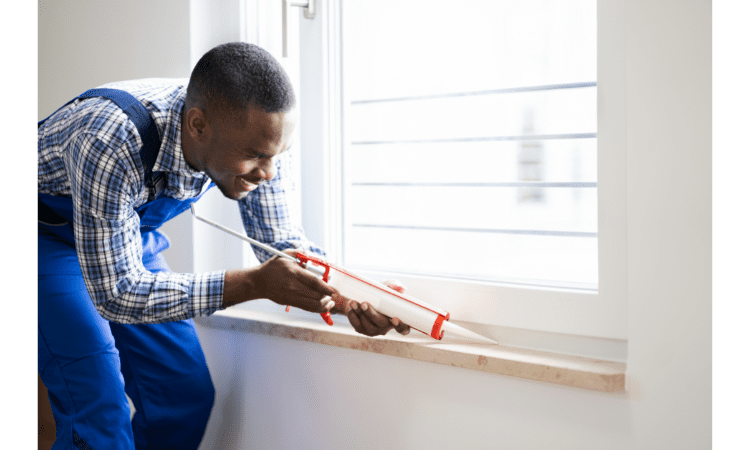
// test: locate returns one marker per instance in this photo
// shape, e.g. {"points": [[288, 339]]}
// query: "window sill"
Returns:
{"points": [[574, 371]]}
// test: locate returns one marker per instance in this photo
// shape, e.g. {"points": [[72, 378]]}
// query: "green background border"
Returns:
{"points": [[18, 416]]}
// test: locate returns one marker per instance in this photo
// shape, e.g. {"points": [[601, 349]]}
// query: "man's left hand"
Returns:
{"points": [[367, 320], [364, 318]]}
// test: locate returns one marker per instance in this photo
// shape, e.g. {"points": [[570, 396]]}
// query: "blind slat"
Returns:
{"points": [[549, 87]]}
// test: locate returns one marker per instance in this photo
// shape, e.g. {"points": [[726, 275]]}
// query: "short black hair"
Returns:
{"points": [[233, 77]]}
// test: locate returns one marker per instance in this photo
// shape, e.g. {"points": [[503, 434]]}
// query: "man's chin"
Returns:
{"points": [[233, 195], [240, 195]]}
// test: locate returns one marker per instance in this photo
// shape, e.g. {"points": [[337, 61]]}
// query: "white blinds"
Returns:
{"points": [[470, 139]]}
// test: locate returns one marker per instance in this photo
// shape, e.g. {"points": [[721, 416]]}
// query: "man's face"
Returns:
{"points": [[241, 155]]}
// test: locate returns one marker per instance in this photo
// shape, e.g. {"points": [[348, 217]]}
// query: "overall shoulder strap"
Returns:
{"points": [[143, 121], [139, 115]]}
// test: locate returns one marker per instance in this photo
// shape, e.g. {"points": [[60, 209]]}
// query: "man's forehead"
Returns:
{"points": [[275, 132], [269, 122]]}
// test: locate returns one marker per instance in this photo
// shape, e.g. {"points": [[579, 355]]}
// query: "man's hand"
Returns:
{"points": [[286, 283], [280, 280], [365, 319]]}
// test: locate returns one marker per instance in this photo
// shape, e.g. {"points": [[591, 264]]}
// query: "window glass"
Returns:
{"points": [[470, 139]]}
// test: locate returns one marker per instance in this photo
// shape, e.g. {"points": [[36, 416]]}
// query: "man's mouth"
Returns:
{"points": [[248, 185]]}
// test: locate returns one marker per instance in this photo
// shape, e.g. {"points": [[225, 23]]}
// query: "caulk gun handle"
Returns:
{"points": [[326, 316], [315, 271], [320, 273]]}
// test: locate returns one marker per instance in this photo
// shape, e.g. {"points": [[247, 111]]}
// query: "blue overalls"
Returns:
{"points": [[88, 364]]}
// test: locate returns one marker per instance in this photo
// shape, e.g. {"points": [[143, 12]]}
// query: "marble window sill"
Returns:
{"points": [[574, 371]]}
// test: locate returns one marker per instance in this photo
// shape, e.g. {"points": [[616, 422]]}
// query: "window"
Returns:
{"points": [[466, 126], [513, 217]]}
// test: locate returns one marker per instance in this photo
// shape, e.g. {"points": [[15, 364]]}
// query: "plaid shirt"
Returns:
{"points": [[89, 151]]}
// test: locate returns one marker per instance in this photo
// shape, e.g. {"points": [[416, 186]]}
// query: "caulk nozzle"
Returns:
{"points": [[458, 331]]}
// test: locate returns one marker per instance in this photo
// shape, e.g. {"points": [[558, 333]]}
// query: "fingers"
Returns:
{"points": [[375, 317], [327, 303], [313, 302], [368, 321], [320, 287], [286, 283], [314, 282], [312, 279], [362, 323], [402, 328], [291, 252], [308, 279]]}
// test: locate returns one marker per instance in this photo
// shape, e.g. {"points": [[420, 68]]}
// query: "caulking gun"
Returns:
{"points": [[417, 314]]}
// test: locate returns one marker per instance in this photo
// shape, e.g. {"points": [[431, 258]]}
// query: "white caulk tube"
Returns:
{"points": [[413, 312], [389, 302]]}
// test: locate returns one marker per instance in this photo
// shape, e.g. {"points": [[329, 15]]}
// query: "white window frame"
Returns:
{"points": [[602, 314]]}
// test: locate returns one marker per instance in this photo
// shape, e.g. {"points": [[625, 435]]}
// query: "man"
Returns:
{"points": [[115, 164]]}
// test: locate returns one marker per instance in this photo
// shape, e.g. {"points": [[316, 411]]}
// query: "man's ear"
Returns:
{"points": [[197, 124]]}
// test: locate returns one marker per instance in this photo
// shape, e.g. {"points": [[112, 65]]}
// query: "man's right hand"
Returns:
{"points": [[280, 280]]}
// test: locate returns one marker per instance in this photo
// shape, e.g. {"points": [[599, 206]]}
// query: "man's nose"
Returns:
{"points": [[267, 169]]}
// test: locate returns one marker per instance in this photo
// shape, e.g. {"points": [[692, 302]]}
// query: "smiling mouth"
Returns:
{"points": [[248, 185]]}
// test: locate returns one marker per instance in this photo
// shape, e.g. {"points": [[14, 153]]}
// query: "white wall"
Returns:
{"points": [[668, 77], [274, 393], [92, 42]]}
